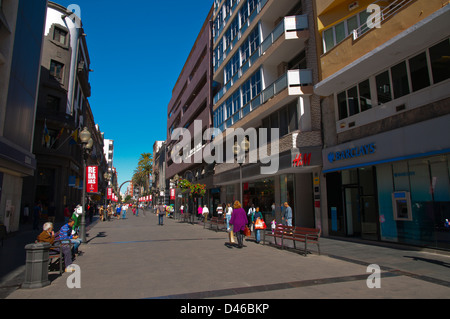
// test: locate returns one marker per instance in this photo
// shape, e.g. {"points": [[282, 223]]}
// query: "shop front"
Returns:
{"points": [[392, 186], [293, 183]]}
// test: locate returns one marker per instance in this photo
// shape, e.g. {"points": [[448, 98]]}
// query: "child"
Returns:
{"points": [[274, 225]]}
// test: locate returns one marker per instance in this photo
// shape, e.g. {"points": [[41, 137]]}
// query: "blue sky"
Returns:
{"points": [[137, 50]]}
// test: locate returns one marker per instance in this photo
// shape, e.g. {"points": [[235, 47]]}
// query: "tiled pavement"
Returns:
{"points": [[137, 259]]}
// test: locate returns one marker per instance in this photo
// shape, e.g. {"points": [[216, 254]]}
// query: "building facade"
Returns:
{"points": [[21, 30], [190, 109], [265, 66], [63, 110], [385, 88]]}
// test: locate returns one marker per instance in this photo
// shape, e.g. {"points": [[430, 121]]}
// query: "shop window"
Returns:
{"points": [[419, 72], [440, 61]]}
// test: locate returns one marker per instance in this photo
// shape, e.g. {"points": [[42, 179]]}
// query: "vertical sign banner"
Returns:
{"points": [[172, 193], [109, 193], [92, 179]]}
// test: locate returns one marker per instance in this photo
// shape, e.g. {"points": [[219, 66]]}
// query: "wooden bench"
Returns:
{"points": [[216, 221], [185, 217], [306, 236], [296, 234], [56, 255]]}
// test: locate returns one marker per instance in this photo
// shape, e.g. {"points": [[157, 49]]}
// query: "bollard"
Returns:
{"points": [[36, 271]]}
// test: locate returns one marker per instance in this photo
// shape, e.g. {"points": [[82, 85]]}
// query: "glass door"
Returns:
{"points": [[352, 210]]}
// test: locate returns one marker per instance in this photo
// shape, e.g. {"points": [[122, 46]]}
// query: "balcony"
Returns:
{"points": [[276, 47], [296, 82], [407, 26]]}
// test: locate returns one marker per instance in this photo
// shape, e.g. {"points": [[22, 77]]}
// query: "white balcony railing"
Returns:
{"points": [[385, 13], [293, 79], [288, 24]]}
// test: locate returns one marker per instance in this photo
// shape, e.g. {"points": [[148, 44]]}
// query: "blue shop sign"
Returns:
{"points": [[352, 153]]}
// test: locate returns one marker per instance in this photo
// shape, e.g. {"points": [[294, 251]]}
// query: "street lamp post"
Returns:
{"points": [[86, 143], [239, 151], [107, 177]]}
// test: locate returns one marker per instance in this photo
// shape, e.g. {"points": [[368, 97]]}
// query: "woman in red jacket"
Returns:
{"points": [[239, 221]]}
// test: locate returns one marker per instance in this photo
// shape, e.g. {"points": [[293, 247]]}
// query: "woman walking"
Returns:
{"points": [[239, 221]]}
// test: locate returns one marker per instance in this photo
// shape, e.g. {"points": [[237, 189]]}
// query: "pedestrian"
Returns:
{"points": [[273, 209], [26, 213], [250, 217], [66, 213], [48, 236], [51, 212], [124, 211], [219, 211], [228, 216], [36, 215], [205, 213], [239, 222], [199, 212], [118, 211], [259, 225], [65, 234], [91, 213], [287, 216], [161, 211]]}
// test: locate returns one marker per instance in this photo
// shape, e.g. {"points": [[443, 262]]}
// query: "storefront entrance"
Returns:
{"points": [[352, 203]]}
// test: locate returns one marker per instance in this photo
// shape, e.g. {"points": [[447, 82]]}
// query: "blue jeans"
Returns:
{"points": [[160, 219], [124, 214], [258, 235], [228, 217], [76, 243]]}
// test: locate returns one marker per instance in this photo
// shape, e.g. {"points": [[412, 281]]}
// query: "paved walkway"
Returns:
{"points": [[137, 259]]}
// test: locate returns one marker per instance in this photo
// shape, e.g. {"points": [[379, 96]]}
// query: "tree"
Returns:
{"points": [[143, 171]]}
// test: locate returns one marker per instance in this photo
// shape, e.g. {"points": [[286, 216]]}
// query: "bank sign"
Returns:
{"points": [[350, 153]]}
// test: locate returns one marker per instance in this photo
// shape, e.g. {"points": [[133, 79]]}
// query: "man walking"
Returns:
{"points": [[287, 218]]}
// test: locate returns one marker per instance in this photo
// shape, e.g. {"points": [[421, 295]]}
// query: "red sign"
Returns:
{"points": [[302, 160], [92, 179], [150, 197], [109, 195], [172, 193]]}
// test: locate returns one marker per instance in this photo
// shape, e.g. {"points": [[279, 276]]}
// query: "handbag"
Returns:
{"points": [[231, 237], [247, 231], [260, 224]]}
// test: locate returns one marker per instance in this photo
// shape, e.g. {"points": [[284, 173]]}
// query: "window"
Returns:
{"points": [[284, 119], [353, 101], [236, 101], [400, 80], [56, 69], [383, 87], [293, 123], [60, 36], [352, 24], [340, 32], [342, 105], [419, 72], [440, 61], [328, 39], [365, 99], [284, 128], [53, 103], [256, 84], [246, 97]]}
